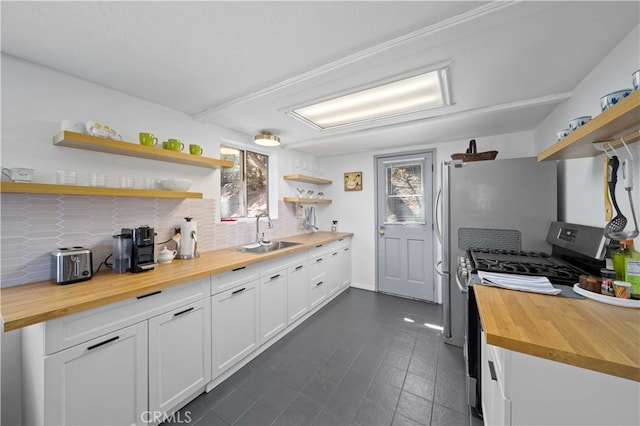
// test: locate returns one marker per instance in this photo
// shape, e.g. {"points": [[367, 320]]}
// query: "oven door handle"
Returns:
{"points": [[463, 289]]}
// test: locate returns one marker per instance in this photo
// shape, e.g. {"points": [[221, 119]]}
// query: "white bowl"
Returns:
{"points": [[176, 184], [613, 98], [635, 77], [561, 134], [579, 121]]}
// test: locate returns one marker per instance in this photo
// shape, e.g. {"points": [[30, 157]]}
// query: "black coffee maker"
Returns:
{"points": [[142, 247]]}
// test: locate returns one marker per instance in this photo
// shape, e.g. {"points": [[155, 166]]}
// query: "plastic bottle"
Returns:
{"points": [[619, 259], [632, 272]]}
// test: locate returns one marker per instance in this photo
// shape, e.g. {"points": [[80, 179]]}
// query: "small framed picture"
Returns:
{"points": [[353, 181]]}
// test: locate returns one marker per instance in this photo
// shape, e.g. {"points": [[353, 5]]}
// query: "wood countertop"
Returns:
{"points": [[579, 332], [36, 302]]}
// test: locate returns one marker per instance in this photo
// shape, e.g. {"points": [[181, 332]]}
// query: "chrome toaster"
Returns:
{"points": [[71, 264]]}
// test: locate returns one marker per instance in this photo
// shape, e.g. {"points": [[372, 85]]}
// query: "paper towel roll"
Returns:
{"points": [[187, 242]]}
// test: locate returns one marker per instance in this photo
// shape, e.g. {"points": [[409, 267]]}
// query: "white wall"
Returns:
{"points": [[355, 210], [582, 180]]}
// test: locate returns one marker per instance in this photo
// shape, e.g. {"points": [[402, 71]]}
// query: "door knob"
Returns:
{"points": [[381, 231]]}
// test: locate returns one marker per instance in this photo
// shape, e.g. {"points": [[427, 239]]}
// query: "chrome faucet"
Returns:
{"points": [[260, 239]]}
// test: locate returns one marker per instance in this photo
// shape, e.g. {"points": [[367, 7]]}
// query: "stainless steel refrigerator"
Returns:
{"points": [[491, 204]]}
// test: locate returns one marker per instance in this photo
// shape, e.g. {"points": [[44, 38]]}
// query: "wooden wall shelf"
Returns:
{"points": [[621, 119], [306, 200], [110, 146], [46, 188], [308, 179]]}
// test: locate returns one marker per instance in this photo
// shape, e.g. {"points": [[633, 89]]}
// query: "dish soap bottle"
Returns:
{"points": [[619, 257], [632, 272]]}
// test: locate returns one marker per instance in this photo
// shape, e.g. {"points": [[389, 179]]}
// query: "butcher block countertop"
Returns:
{"points": [[36, 302], [579, 332]]}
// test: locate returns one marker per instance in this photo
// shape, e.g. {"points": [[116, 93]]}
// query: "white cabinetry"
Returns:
{"points": [[179, 355], [273, 304], [297, 291], [529, 390], [318, 275], [103, 381], [95, 367], [235, 325]]}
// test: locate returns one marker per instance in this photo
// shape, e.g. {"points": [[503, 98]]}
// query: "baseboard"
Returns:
{"points": [[361, 286]]}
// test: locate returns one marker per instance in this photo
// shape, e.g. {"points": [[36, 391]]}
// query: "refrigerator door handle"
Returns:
{"points": [[440, 271], [438, 230]]}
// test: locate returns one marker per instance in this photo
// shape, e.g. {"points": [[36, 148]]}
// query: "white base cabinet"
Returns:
{"points": [[273, 305], [179, 355], [528, 390], [103, 381], [297, 291], [235, 326]]}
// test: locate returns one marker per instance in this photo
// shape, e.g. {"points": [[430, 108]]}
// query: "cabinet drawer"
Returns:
{"points": [[74, 329], [269, 267], [227, 280]]}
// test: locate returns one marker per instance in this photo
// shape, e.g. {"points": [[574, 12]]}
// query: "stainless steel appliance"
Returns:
{"points": [[576, 250], [502, 204], [142, 248], [71, 264]]}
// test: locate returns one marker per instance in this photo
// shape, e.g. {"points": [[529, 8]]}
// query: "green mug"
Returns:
{"points": [[175, 145], [165, 145], [195, 149], [148, 139]]}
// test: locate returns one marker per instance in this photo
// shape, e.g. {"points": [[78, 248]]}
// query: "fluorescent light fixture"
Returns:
{"points": [[434, 326], [267, 139], [408, 319], [412, 94]]}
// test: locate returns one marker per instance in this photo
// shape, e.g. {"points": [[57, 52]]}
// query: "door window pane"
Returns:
{"points": [[404, 193]]}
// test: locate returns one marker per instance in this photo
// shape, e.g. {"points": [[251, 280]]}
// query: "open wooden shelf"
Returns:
{"points": [[110, 146], [308, 179], [306, 200], [621, 119], [47, 188]]}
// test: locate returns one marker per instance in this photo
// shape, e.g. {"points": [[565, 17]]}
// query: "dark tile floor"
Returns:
{"points": [[364, 359]]}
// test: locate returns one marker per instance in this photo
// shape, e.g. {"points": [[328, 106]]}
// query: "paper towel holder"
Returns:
{"points": [[188, 236]]}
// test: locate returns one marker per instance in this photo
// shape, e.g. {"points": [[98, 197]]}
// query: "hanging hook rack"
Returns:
{"points": [[608, 147]]}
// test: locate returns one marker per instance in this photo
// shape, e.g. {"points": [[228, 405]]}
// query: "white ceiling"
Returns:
{"points": [[242, 65]]}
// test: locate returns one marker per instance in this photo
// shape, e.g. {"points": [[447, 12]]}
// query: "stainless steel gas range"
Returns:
{"points": [[576, 250]]}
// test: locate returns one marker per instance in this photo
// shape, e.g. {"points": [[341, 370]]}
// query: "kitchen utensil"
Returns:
{"points": [[148, 139], [607, 101], [608, 210], [166, 256], [472, 147], [579, 121], [18, 174], [195, 149], [176, 184], [175, 145], [97, 179], [71, 264], [127, 182], [627, 176], [73, 126], [188, 241], [67, 177], [103, 130], [618, 223], [561, 134]]}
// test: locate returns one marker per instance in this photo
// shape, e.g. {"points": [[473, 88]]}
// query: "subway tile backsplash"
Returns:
{"points": [[33, 225]]}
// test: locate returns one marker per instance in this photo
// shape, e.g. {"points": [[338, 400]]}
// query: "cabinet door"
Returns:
{"points": [[318, 280], [234, 325], [333, 272], [496, 407], [179, 355], [103, 381], [344, 267], [297, 292], [273, 305]]}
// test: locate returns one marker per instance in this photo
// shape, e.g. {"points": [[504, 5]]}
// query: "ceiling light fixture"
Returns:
{"points": [[412, 94], [267, 139]]}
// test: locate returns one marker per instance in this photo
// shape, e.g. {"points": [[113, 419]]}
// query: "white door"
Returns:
{"points": [[101, 382], [234, 325], [404, 200], [179, 355], [273, 305]]}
